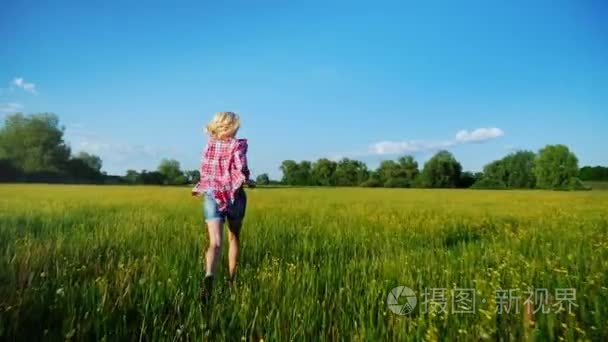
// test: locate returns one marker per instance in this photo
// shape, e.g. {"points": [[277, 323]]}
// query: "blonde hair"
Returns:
{"points": [[224, 125]]}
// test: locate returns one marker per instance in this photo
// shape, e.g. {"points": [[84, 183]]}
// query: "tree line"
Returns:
{"points": [[168, 172], [553, 167], [594, 173], [32, 149]]}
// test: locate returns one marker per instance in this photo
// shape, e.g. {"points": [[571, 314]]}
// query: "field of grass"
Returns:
{"points": [[124, 263]]}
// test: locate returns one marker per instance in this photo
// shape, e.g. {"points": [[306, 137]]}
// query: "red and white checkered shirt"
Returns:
{"points": [[223, 169]]}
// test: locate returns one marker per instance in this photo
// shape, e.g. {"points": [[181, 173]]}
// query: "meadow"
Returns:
{"points": [[124, 263]]}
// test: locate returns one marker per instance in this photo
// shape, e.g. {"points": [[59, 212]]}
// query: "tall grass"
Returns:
{"points": [[115, 263]]}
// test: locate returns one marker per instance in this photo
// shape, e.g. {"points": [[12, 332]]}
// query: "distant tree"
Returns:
{"points": [[289, 169], [398, 174], [556, 167], [78, 170], [112, 179], [274, 182], [513, 171], [296, 173], [192, 176], [373, 181], [170, 169], [34, 143], [153, 177], [520, 169], [262, 179], [441, 171], [303, 173], [180, 180], [91, 160], [487, 183], [594, 173], [387, 170], [8, 172], [132, 177], [408, 170], [322, 172], [350, 172], [418, 181], [467, 179], [397, 182], [495, 175]]}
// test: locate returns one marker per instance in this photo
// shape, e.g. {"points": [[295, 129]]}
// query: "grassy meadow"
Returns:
{"points": [[124, 263]]}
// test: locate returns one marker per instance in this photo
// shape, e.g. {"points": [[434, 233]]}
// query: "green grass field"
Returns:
{"points": [[124, 263]]}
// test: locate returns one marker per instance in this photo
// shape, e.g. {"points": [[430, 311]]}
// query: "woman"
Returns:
{"points": [[223, 173]]}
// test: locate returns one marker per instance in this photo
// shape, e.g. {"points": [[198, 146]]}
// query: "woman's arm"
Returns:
{"points": [[240, 159], [196, 190]]}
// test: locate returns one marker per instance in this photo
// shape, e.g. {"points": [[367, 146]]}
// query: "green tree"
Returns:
{"points": [[495, 175], [192, 176], [594, 173], [296, 173], [397, 182], [322, 172], [467, 179], [556, 167], [408, 170], [171, 172], [34, 143], [132, 177], [350, 172], [398, 174], [84, 167], [8, 172], [373, 181], [91, 160], [303, 173], [289, 169], [152, 177], [513, 171], [387, 170], [520, 170], [262, 179], [441, 171]]}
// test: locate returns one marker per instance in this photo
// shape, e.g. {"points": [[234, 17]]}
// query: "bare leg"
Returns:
{"points": [[234, 229], [215, 246]]}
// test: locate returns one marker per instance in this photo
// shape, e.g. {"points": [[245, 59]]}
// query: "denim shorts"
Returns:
{"points": [[234, 212]]}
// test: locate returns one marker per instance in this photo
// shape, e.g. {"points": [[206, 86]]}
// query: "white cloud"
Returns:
{"points": [[397, 147], [11, 107], [19, 82], [478, 135], [117, 156], [117, 151]]}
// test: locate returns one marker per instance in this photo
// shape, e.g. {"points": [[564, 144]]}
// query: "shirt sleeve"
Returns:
{"points": [[240, 158], [201, 169]]}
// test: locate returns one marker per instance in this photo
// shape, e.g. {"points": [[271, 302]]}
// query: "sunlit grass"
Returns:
{"points": [[88, 262]]}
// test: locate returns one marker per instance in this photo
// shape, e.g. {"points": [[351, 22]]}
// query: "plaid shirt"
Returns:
{"points": [[223, 169]]}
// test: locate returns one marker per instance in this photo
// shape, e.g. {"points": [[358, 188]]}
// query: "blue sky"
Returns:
{"points": [[369, 80]]}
